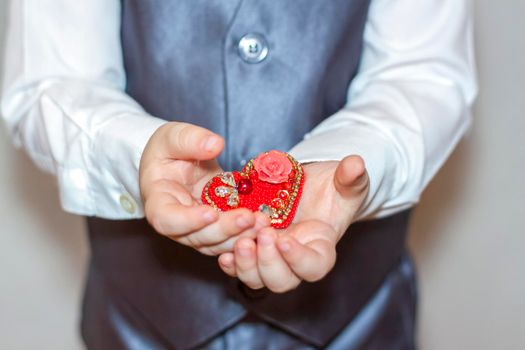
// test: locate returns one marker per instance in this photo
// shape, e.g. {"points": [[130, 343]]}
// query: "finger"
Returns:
{"points": [[350, 176], [261, 221], [273, 269], [246, 263], [228, 245], [229, 223], [191, 142], [227, 264], [311, 261], [168, 217]]}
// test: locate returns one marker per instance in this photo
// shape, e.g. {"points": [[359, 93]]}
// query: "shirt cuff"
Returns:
{"points": [[355, 138], [109, 185]]}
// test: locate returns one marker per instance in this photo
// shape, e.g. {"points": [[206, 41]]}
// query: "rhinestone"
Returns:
{"points": [[277, 203], [266, 209], [227, 178], [223, 191], [233, 200], [283, 194]]}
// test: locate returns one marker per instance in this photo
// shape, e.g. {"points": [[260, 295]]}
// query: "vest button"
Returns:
{"points": [[253, 48]]}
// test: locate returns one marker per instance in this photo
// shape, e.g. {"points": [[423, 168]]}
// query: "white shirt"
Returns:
{"points": [[63, 101]]}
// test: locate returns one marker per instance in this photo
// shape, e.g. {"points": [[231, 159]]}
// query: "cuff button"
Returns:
{"points": [[127, 203]]}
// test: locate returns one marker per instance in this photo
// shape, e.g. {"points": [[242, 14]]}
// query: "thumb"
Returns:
{"points": [[350, 176], [191, 142]]}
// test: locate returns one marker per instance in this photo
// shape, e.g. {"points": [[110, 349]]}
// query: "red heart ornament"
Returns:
{"points": [[271, 183]]}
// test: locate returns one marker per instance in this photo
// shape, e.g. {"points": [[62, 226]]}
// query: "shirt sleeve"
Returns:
{"points": [[63, 101], [409, 103]]}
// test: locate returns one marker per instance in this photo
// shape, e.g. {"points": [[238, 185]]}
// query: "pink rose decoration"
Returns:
{"points": [[273, 167]]}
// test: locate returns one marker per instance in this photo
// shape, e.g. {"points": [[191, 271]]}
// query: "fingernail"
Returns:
{"points": [[245, 252], [265, 240], [284, 245], [242, 222], [260, 223], [227, 261], [208, 215], [210, 143]]}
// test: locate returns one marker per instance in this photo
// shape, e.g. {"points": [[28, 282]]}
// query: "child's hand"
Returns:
{"points": [[281, 259], [176, 164]]}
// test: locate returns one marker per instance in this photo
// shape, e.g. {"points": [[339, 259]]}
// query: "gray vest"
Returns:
{"points": [[260, 73]]}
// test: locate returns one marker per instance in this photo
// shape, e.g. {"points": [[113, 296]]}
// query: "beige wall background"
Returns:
{"points": [[468, 233]]}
